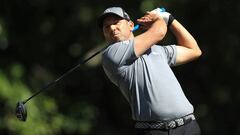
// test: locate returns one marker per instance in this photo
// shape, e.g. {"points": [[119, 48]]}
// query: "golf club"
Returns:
{"points": [[21, 111]]}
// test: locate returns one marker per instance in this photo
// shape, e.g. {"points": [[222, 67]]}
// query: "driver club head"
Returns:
{"points": [[21, 111]]}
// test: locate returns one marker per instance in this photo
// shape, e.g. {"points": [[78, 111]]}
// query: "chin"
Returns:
{"points": [[115, 40]]}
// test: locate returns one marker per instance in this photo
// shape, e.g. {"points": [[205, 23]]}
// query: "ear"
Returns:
{"points": [[131, 25]]}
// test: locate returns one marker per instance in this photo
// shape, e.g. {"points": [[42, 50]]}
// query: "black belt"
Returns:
{"points": [[165, 124]]}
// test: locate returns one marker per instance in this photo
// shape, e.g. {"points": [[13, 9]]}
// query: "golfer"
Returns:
{"points": [[141, 69]]}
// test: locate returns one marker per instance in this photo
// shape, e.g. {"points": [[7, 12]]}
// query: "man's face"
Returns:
{"points": [[117, 29]]}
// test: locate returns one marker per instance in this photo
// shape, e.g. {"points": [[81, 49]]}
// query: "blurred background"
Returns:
{"points": [[42, 39]]}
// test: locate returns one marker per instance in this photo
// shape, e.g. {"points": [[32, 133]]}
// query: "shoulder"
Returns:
{"points": [[119, 53], [118, 47]]}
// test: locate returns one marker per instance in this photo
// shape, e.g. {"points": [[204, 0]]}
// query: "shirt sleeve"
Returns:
{"points": [[120, 53], [170, 52]]}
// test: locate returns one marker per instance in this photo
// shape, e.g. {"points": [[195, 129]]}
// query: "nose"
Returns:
{"points": [[113, 27]]}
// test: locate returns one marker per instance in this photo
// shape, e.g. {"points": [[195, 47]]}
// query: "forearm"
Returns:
{"points": [[184, 38], [156, 30]]}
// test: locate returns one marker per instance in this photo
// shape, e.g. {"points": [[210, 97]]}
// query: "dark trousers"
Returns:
{"points": [[191, 128]]}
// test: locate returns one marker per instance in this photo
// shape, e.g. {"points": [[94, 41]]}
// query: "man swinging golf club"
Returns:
{"points": [[141, 69]]}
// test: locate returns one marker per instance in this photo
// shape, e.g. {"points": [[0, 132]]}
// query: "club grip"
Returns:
{"points": [[136, 27]]}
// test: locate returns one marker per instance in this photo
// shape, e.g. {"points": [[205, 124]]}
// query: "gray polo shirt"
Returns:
{"points": [[147, 82]]}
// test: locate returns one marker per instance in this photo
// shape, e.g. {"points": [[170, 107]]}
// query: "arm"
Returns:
{"points": [[156, 30], [187, 48]]}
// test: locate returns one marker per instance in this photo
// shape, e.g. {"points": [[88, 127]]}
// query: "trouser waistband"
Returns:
{"points": [[165, 124]]}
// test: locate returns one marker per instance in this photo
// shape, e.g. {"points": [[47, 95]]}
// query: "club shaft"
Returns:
{"points": [[63, 76]]}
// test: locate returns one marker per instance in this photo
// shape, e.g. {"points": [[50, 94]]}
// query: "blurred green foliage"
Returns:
{"points": [[43, 115], [42, 39]]}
